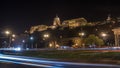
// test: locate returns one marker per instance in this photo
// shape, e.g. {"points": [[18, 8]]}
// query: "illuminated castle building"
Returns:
{"points": [[56, 23], [38, 28], [74, 22]]}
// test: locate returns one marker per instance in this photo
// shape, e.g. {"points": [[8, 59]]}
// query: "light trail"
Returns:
{"points": [[25, 63], [48, 63]]}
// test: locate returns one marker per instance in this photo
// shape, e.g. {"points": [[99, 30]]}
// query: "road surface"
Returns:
{"points": [[11, 61]]}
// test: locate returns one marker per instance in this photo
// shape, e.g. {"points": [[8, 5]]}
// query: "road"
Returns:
{"points": [[10, 61], [11, 65]]}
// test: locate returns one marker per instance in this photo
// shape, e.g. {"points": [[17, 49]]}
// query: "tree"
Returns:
{"points": [[77, 43], [99, 41], [93, 40]]}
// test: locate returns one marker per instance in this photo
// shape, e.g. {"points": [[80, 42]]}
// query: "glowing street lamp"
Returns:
{"points": [[81, 34], [7, 32], [13, 35], [104, 37], [31, 38], [46, 38], [23, 41], [104, 34], [10, 36], [46, 35], [13, 39]]}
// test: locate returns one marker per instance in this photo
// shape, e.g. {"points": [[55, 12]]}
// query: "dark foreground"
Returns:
{"points": [[10, 61], [11, 65]]}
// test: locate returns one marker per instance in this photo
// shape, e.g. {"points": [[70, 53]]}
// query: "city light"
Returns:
{"points": [[23, 41], [50, 45], [13, 35], [7, 32], [13, 39], [81, 34], [104, 34], [31, 38], [57, 46], [46, 35], [17, 49]]}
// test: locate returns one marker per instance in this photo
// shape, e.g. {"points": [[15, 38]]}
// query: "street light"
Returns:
{"points": [[104, 34], [13, 39], [31, 38], [13, 35], [46, 35], [9, 37], [81, 34], [23, 41], [46, 38], [104, 37], [7, 32]]}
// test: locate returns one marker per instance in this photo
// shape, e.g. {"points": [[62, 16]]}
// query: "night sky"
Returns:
{"points": [[21, 15]]}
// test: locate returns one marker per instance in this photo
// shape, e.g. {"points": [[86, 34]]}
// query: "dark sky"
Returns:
{"points": [[20, 15]]}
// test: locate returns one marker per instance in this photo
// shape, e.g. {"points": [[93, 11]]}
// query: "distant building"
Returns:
{"points": [[38, 28], [66, 36], [75, 22], [56, 23]]}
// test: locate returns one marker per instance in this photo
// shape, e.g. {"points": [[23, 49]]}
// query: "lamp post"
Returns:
{"points": [[12, 39], [9, 37], [7, 32], [81, 34], [23, 43], [31, 39], [104, 35], [46, 37], [13, 35]]}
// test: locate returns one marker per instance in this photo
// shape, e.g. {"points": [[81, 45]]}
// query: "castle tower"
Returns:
{"points": [[109, 18], [56, 21]]}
